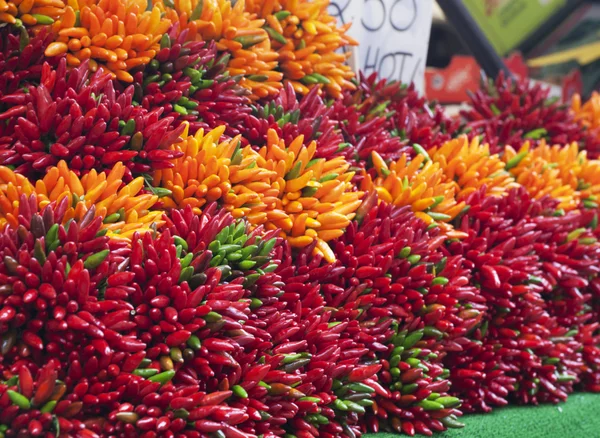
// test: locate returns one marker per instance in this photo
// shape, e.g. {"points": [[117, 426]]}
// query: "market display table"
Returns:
{"points": [[578, 417]]}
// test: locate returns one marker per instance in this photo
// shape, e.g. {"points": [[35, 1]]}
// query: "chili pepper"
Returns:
{"points": [[163, 377], [19, 400], [194, 342]]}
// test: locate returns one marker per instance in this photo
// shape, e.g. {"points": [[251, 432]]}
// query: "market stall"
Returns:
{"points": [[213, 225]]}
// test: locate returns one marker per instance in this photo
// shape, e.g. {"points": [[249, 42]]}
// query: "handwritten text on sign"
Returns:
{"points": [[393, 35]]}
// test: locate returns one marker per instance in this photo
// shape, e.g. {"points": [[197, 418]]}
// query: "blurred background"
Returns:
{"points": [[553, 41]]}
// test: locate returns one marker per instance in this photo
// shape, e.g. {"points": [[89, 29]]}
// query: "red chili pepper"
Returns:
{"points": [[25, 382], [208, 426], [215, 344], [215, 398], [177, 338], [363, 372], [13, 112]]}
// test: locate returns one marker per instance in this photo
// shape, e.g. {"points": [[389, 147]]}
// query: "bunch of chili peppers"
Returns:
{"points": [[209, 228]]}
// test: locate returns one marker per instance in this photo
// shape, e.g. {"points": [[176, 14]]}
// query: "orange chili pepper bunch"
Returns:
{"points": [[281, 187], [561, 172], [470, 166], [308, 199], [237, 33], [116, 35], [31, 12], [587, 115], [12, 186], [210, 171], [124, 208], [308, 41], [419, 183]]}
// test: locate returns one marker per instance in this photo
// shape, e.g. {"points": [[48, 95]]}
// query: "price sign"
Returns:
{"points": [[393, 36]]}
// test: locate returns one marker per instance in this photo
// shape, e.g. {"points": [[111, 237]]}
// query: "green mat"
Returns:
{"points": [[579, 417]]}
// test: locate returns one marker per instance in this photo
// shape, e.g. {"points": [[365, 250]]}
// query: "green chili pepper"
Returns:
{"points": [[211, 317], [48, 407], [95, 260], [535, 134], [514, 161], [439, 216], [239, 391], [449, 402], [421, 151], [282, 14], [451, 422], [439, 281], [295, 172], [404, 252], [145, 372], [412, 339], [18, 399], [42, 19], [194, 342], [414, 259], [275, 35], [163, 377], [38, 252], [197, 12], [429, 405]]}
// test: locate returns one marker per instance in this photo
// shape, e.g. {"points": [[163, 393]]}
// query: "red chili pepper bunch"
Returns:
{"points": [[318, 378], [271, 396], [363, 135], [187, 323], [164, 409], [80, 118], [589, 337], [369, 284], [175, 308], [511, 112], [569, 253], [398, 110], [418, 401], [478, 372], [402, 291], [33, 403], [216, 240], [589, 334], [51, 275], [21, 59], [187, 80], [569, 257], [291, 116], [521, 351], [402, 277], [242, 359]]}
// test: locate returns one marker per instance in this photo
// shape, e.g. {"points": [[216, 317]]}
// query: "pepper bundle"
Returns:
{"points": [[511, 112], [418, 184], [189, 81], [116, 36], [70, 114], [405, 115], [307, 39], [31, 13], [586, 116], [563, 173], [208, 227], [236, 32]]}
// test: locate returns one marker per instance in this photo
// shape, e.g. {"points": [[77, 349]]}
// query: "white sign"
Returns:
{"points": [[393, 36]]}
